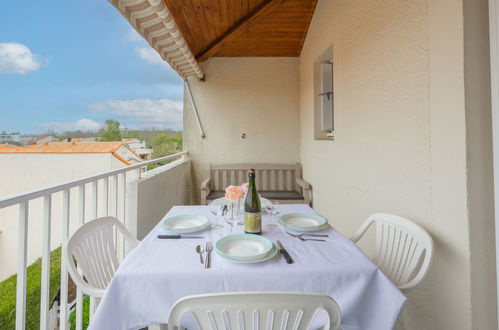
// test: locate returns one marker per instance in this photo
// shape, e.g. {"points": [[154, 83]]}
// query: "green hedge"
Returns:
{"points": [[33, 289]]}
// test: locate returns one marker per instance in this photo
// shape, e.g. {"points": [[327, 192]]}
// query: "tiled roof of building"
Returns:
{"points": [[69, 148], [65, 147]]}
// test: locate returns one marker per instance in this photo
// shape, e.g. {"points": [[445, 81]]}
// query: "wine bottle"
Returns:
{"points": [[252, 208]]}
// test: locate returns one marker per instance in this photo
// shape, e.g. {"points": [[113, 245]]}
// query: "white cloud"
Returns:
{"points": [[18, 59], [143, 113], [150, 56], [84, 125], [133, 35]]}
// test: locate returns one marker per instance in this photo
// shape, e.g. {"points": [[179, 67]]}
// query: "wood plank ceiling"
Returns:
{"points": [[253, 28]]}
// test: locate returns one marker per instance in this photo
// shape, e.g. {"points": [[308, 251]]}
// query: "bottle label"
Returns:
{"points": [[253, 222]]}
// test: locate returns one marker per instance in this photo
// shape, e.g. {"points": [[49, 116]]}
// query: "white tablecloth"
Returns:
{"points": [[159, 272]]}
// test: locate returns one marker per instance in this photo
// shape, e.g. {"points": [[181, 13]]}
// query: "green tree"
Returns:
{"points": [[159, 139], [111, 130], [133, 135], [162, 145]]}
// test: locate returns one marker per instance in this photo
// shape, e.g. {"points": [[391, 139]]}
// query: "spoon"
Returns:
{"points": [[199, 250]]}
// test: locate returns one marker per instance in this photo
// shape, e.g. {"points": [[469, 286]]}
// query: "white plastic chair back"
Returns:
{"points": [[403, 249], [255, 310], [93, 248]]}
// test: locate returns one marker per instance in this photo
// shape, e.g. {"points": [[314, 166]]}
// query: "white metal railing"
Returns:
{"points": [[107, 197]]}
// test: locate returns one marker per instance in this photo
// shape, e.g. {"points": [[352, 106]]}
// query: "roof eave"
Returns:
{"points": [[153, 21]]}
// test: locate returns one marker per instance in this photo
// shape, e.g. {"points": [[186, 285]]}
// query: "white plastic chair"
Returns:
{"points": [[400, 247], [93, 247], [255, 310]]}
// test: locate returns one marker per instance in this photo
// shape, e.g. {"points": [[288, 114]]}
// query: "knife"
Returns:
{"points": [[178, 236], [284, 253]]}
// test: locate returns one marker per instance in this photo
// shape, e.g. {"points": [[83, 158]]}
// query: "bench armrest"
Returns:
{"points": [[303, 184], [307, 193], [205, 190], [205, 185]]}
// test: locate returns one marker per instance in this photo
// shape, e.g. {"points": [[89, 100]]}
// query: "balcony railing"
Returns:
{"points": [[109, 195]]}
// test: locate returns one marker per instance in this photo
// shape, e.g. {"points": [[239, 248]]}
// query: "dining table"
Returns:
{"points": [[158, 272]]}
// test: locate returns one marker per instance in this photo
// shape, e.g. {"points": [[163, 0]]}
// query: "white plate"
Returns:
{"points": [[269, 256], [264, 202], [303, 221], [244, 247], [188, 223]]}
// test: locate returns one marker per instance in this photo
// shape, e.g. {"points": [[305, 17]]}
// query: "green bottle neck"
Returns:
{"points": [[252, 181]]}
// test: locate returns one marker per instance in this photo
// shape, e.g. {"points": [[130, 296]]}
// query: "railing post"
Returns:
{"points": [[124, 221], [95, 199], [105, 193], [22, 266], [115, 194], [95, 206], [116, 189], [45, 292], [63, 319], [79, 294], [82, 205]]}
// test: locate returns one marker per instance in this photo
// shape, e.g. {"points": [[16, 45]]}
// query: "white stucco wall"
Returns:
{"points": [[256, 96], [401, 141], [25, 172], [155, 193]]}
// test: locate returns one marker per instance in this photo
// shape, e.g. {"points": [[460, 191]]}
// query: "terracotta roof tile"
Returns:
{"points": [[69, 148], [64, 147]]}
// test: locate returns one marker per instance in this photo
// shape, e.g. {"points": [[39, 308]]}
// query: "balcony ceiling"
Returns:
{"points": [[233, 28]]}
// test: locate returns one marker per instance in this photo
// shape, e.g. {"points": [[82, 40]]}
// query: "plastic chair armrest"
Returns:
{"points": [[361, 231]]}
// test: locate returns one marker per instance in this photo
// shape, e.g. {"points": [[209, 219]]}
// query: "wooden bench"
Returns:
{"points": [[282, 182]]}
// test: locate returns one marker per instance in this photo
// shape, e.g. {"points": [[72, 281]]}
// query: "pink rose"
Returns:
{"points": [[233, 193], [244, 188]]}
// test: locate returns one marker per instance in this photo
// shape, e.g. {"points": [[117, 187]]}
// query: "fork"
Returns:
{"points": [[208, 249], [300, 237]]}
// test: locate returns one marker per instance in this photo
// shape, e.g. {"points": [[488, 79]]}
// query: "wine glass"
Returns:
{"points": [[216, 210], [231, 220], [273, 209]]}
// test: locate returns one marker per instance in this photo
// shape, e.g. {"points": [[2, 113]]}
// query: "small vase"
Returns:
{"points": [[234, 210]]}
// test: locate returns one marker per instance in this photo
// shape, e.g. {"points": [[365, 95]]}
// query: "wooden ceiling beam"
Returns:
{"points": [[213, 47]]}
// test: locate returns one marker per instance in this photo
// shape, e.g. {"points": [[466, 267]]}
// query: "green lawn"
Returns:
{"points": [[33, 289]]}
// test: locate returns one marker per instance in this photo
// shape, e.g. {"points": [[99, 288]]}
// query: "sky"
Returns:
{"points": [[68, 65]]}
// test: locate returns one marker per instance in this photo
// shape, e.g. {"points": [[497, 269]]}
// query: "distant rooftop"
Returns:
{"points": [[41, 139], [84, 139], [117, 148]]}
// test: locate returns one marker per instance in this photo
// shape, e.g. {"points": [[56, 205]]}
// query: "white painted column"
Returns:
{"points": [[494, 74]]}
